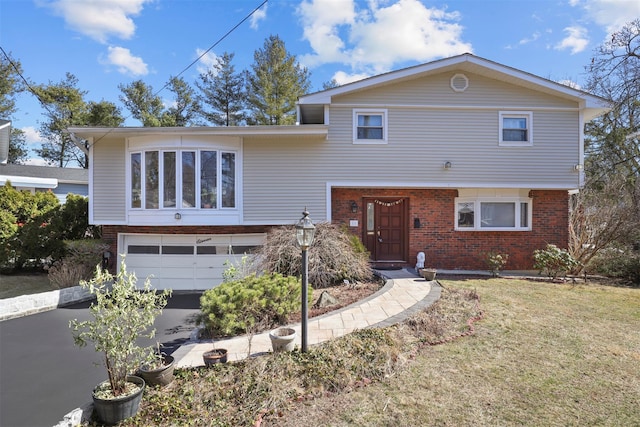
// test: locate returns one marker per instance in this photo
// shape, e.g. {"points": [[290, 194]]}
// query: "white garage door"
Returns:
{"points": [[184, 262]]}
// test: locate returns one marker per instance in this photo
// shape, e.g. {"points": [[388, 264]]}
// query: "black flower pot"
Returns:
{"points": [[112, 411], [217, 355], [161, 376]]}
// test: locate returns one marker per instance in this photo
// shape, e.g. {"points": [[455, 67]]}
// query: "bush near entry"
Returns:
{"points": [[239, 306]]}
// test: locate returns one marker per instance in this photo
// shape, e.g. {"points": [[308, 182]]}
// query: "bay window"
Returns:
{"points": [[197, 179]]}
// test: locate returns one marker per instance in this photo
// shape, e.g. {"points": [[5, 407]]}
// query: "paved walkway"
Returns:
{"points": [[403, 295]]}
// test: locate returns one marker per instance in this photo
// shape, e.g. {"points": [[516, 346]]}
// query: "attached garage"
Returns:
{"points": [[184, 262]]}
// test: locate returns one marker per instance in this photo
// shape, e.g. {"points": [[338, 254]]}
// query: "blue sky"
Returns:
{"points": [[105, 43]]}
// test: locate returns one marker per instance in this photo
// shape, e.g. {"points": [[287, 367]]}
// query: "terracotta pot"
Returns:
{"points": [[217, 355], [283, 339]]}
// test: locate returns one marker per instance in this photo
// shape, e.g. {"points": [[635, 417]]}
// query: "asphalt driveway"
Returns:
{"points": [[43, 375]]}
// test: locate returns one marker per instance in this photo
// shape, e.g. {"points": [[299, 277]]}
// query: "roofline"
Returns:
{"points": [[28, 181], [240, 131], [324, 97]]}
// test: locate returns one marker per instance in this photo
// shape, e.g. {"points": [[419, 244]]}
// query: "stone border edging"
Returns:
{"points": [[24, 305]]}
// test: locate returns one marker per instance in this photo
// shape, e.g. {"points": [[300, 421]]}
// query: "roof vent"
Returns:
{"points": [[459, 83]]}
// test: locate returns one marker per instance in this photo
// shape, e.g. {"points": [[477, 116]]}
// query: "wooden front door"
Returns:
{"points": [[385, 228]]}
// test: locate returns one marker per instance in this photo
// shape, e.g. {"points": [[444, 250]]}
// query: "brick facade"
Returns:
{"points": [[446, 248]]}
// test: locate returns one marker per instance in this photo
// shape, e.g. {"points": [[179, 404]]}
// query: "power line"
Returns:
{"points": [[46, 107], [192, 63]]}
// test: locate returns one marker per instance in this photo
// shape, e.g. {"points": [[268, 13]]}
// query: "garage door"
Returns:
{"points": [[184, 262]]}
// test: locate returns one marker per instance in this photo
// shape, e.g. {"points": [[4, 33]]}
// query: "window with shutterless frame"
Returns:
{"points": [[185, 179], [369, 126], [515, 128], [486, 214]]}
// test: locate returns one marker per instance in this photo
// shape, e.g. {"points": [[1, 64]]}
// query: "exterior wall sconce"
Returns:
{"points": [[416, 222], [578, 167], [447, 165], [106, 259], [177, 215], [354, 207]]}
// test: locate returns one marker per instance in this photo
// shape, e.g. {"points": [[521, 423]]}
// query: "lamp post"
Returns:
{"points": [[305, 231]]}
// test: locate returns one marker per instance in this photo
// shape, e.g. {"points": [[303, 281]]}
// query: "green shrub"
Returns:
{"points": [[34, 226], [495, 262], [333, 257], [553, 261], [619, 263], [235, 307]]}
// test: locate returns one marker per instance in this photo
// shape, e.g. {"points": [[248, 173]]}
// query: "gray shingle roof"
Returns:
{"points": [[64, 175]]}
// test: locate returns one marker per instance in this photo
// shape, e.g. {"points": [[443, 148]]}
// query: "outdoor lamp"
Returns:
{"points": [[305, 230], [354, 206]]}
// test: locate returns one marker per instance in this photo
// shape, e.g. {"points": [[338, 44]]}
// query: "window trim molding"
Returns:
{"points": [[515, 114], [371, 111], [179, 150], [477, 209]]}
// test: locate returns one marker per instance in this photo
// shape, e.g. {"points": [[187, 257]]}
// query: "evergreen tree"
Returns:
{"points": [[184, 110], [65, 107], [147, 107], [144, 106], [10, 86], [18, 151], [274, 84], [222, 89]]}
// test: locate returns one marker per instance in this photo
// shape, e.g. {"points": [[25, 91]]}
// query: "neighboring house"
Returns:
{"points": [[453, 158], [61, 181]]}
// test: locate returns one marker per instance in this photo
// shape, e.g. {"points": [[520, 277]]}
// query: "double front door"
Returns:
{"points": [[385, 231]]}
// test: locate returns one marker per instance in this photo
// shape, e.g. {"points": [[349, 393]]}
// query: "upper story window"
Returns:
{"points": [[493, 214], [197, 179], [370, 126], [516, 128]]}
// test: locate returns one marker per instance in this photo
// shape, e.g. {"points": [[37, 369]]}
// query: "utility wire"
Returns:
{"points": [[26, 83], [46, 107]]}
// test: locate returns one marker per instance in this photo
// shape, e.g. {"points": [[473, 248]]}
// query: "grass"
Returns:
{"points": [[544, 354], [13, 285]]}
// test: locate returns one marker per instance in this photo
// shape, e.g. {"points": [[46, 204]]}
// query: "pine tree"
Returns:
{"points": [[274, 84], [222, 89]]}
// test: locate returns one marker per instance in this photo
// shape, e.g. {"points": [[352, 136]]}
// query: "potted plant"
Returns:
{"points": [[120, 315], [159, 372], [215, 355]]}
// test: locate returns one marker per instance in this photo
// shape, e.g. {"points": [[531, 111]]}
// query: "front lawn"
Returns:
{"points": [[13, 285], [543, 354]]}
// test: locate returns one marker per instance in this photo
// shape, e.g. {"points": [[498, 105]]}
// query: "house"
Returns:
{"points": [[61, 181], [453, 158]]}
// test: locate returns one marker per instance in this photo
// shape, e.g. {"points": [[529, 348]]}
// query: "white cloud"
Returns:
{"points": [[535, 36], [376, 38], [36, 161], [343, 78], [258, 15], [99, 19], [207, 61], [612, 14], [576, 39], [125, 62], [32, 136]]}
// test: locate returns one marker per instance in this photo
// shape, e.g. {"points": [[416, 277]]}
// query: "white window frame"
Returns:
{"points": [[370, 112], [477, 209], [219, 207], [528, 116]]}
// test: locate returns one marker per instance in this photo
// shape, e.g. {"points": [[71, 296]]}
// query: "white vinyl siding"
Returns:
{"points": [[108, 194]]}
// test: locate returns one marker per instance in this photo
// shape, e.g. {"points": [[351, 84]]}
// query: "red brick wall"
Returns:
{"points": [[446, 248]]}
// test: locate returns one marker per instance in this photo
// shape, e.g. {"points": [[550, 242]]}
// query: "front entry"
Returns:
{"points": [[386, 234]]}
